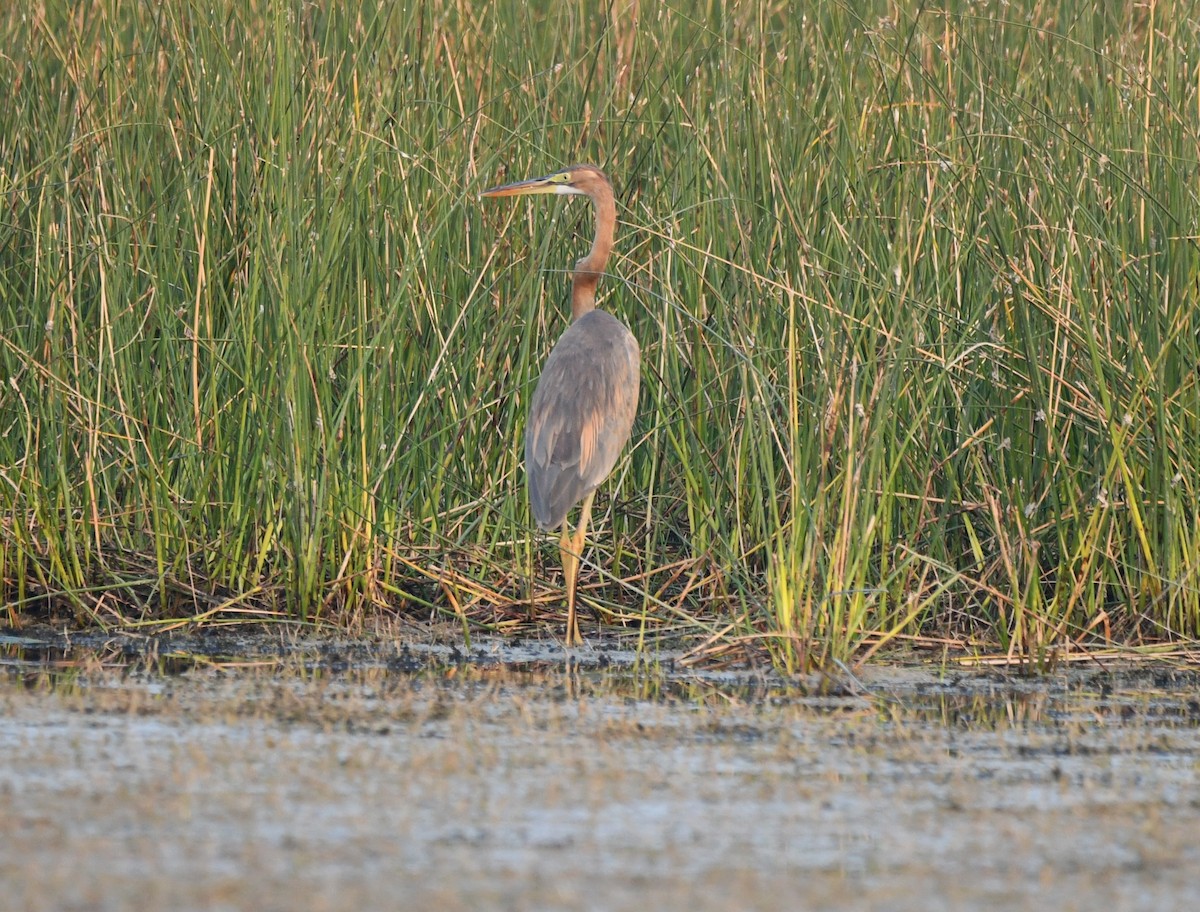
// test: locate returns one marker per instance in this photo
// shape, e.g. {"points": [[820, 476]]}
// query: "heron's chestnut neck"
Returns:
{"points": [[591, 267]]}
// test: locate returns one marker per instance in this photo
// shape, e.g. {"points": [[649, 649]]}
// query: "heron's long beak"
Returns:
{"points": [[545, 184]]}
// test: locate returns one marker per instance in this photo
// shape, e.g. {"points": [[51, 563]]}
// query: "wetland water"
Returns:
{"points": [[216, 772]]}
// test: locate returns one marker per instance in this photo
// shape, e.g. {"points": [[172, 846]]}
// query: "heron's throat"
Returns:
{"points": [[591, 267]]}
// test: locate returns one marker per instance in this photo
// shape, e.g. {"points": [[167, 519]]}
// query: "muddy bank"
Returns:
{"points": [[279, 773]]}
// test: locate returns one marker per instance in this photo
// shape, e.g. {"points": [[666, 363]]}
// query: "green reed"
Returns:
{"points": [[915, 293]]}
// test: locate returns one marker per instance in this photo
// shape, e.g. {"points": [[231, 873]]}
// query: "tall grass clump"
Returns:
{"points": [[915, 288]]}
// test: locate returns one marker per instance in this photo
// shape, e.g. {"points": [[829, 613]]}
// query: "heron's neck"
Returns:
{"points": [[591, 267]]}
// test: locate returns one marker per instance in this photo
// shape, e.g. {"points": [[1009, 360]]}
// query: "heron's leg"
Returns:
{"points": [[570, 567], [573, 551]]}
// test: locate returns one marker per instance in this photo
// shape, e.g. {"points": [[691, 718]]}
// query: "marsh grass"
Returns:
{"points": [[916, 294]]}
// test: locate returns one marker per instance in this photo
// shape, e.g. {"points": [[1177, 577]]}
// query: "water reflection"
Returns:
{"points": [[982, 701], [63, 667], [990, 711]]}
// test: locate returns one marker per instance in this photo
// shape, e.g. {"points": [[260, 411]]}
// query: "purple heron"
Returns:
{"points": [[583, 407]]}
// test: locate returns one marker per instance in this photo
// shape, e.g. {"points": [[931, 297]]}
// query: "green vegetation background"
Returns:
{"points": [[916, 290]]}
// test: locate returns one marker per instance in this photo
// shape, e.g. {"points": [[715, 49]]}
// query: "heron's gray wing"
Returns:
{"points": [[581, 414]]}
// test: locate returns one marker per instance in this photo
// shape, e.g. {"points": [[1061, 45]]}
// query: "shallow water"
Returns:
{"points": [[241, 772]]}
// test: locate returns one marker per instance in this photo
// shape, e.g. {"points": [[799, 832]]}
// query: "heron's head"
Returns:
{"points": [[578, 179]]}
